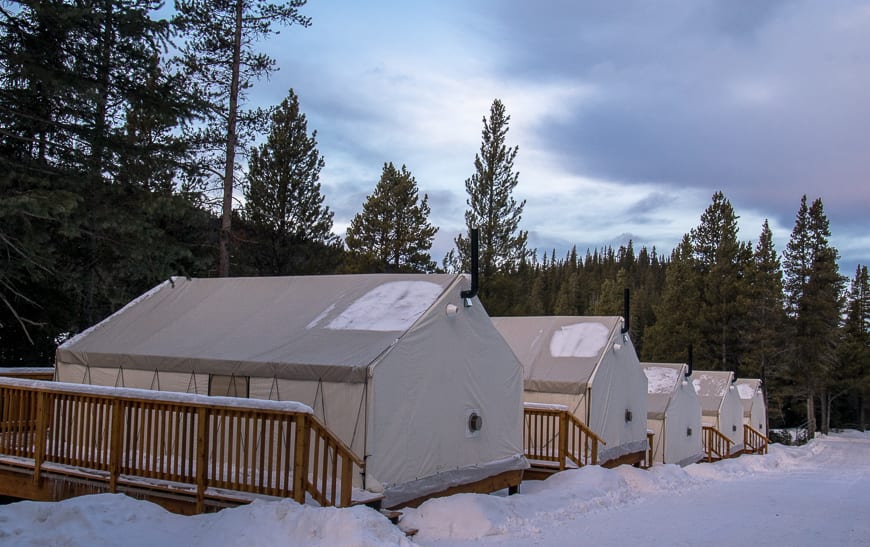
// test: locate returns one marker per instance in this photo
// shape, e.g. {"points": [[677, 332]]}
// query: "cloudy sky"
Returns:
{"points": [[628, 115]]}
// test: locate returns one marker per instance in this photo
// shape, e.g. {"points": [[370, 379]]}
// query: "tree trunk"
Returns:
{"points": [[811, 414], [229, 168]]}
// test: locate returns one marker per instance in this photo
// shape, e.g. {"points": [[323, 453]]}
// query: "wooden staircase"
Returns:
{"points": [[555, 440]]}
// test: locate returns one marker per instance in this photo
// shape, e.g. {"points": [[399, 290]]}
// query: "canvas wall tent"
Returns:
{"points": [[754, 409], [674, 414], [589, 365], [720, 404], [395, 365]]}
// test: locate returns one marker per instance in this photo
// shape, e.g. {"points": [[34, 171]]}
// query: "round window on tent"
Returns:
{"points": [[473, 422]]}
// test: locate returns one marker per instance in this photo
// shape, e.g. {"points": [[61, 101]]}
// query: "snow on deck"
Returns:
{"points": [[579, 340]]}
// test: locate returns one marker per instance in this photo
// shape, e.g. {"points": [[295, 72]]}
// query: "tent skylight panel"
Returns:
{"points": [[661, 379], [579, 340], [389, 307]]}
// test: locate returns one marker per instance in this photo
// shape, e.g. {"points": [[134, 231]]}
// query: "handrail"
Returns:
{"points": [[252, 449], [556, 435], [755, 441], [716, 444]]}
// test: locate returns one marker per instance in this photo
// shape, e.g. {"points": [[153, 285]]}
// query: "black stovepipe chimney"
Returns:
{"points": [[475, 273], [689, 361], [626, 310]]}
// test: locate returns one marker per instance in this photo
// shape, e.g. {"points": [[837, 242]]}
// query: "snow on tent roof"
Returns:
{"points": [[559, 353], [662, 381], [661, 378], [747, 388], [304, 327], [711, 387]]}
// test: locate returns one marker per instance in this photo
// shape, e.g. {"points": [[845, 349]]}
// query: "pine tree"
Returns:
{"points": [[855, 347], [813, 290], [218, 54], [392, 233], [87, 107], [678, 309], [290, 228], [766, 318], [491, 206], [722, 260]]}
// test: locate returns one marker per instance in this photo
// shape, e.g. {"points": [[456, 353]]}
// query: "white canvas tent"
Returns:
{"points": [[720, 404], [674, 414], [754, 409], [589, 365], [395, 365]]}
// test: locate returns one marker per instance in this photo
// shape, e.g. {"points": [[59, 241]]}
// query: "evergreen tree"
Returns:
{"points": [[722, 260], [855, 347], [766, 315], [392, 233], [218, 54], [813, 290], [88, 112], [289, 227], [491, 206], [678, 309]]}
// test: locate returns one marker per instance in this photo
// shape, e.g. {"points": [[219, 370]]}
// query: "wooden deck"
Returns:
{"points": [[56, 442]]}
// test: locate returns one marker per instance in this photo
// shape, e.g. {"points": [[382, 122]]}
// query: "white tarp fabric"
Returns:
{"points": [[674, 414], [720, 404], [754, 409], [394, 364], [588, 365]]}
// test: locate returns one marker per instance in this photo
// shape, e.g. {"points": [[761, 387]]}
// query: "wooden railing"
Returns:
{"points": [[648, 455], [555, 435], [754, 441], [716, 445], [246, 447]]}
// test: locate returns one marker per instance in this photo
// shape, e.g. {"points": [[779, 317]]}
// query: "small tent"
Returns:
{"points": [[589, 365], [674, 414], [720, 404], [754, 409], [399, 366]]}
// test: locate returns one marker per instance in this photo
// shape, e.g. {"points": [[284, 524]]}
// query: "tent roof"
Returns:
{"points": [[306, 327], [711, 387], [747, 388], [662, 380], [559, 353]]}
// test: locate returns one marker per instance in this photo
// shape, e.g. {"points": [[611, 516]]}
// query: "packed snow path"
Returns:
{"points": [[815, 495]]}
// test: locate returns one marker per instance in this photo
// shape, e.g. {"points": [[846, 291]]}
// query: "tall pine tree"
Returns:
{"points": [[855, 346], [288, 227], [491, 205], [392, 233], [813, 289], [218, 53], [721, 260]]}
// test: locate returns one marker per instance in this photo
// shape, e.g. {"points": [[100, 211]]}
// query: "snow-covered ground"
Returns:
{"points": [[814, 495]]}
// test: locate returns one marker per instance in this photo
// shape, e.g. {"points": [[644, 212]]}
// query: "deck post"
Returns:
{"points": [[201, 457], [563, 438], [41, 433], [346, 481], [300, 458], [116, 445]]}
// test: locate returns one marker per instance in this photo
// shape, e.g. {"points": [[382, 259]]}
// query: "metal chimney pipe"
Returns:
{"points": [[689, 360], [626, 307], [472, 292]]}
